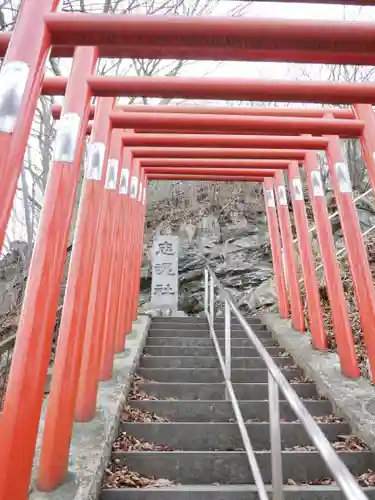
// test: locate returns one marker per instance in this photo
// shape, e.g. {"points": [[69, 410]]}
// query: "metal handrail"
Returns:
{"points": [[276, 380], [335, 214], [343, 250]]}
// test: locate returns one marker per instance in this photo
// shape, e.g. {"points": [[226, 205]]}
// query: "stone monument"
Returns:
{"points": [[164, 288]]}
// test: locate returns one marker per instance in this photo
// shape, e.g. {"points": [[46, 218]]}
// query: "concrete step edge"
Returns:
{"points": [[231, 487]]}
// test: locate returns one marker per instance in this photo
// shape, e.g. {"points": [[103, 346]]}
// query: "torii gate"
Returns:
{"points": [[21, 81]]}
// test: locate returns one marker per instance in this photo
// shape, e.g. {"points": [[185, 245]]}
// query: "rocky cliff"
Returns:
{"points": [[224, 225]]}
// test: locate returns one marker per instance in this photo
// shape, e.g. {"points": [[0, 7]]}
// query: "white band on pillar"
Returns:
{"points": [[95, 161], [67, 138], [343, 177], [270, 198], [297, 189], [144, 195], [282, 195], [124, 181], [133, 186], [317, 183], [13, 81], [111, 177]]}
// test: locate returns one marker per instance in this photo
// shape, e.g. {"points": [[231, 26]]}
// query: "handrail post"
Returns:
{"points": [[275, 438], [212, 300], [228, 350], [206, 291]]}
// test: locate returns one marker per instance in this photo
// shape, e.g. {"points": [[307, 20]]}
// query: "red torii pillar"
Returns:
{"points": [[86, 396], [32, 350], [340, 316], [289, 254], [123, 324], [69, 367], [274, 234], [357, 256], [21, 79], [316, 324], [114, 222]]}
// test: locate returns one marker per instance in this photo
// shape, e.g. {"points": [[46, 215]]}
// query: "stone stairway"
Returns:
{"points": [[180, 389]]}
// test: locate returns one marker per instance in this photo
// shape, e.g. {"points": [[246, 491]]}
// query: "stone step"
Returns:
{"points": [[208, 362], [206, 436], [176, 332], [206, 351], [221, 411], [226, 492], [200, 375], [204, 342], [212, 391], [195, 320], [204, 328], [232, 467]]}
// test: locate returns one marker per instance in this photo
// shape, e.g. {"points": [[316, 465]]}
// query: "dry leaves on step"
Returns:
{"points": [[139, 379], [300, 447], [349, 443], [123, 477], [131, 414], [300, 379], [125, 442], [290, 367], [136, 395], [328, 419], [313, 482], [367, 478]]}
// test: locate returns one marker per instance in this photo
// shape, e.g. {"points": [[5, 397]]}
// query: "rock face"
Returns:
{"points": [[229, 231], [232, 238]]}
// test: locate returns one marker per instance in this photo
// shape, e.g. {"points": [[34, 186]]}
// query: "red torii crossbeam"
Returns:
{"points": [[225, 110], [211, 38], [245, 124], [223, 89], [178, 163], [214, 38], [258, 172], [225, 141], [151, 176], [276, 154]]}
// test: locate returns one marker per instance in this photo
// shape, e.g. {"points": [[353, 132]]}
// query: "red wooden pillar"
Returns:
{"points": [[364, 112], [114, 257], [357, 256], [273, 230], [127, 248], [134, 193], [289, 254], [61, 402], [90, 367], [23, 402], [336, 296], [21, 78], [134, 216], [139, 254], [316, 324]]}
